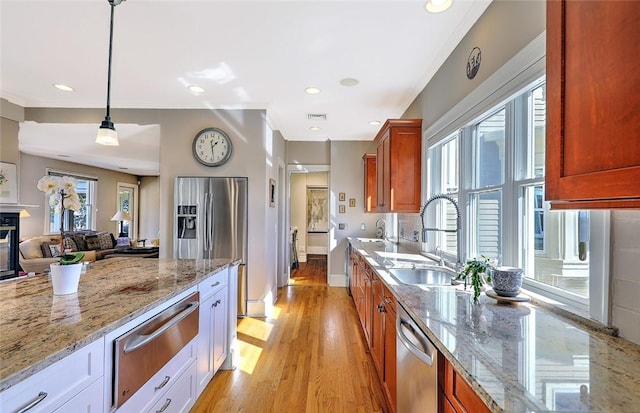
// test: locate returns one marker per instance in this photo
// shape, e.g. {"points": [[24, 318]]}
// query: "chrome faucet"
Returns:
{"points": [[458, 229]]}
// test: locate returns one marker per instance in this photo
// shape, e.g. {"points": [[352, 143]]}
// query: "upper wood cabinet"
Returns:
{"points": [[398, 165], [592, 144], [370, 190]]}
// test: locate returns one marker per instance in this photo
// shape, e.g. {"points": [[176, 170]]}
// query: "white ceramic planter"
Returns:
{"points": [[506, 281], [65, 278]]}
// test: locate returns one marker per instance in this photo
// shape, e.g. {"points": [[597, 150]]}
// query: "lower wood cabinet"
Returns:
{"points": [[456, 395], [376, 308]]}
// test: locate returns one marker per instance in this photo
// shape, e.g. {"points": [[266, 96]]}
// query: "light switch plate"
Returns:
{"points": [[342, 227]]}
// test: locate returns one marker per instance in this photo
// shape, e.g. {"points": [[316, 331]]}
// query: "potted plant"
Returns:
{"points": [[478, 270], [61, 190]]}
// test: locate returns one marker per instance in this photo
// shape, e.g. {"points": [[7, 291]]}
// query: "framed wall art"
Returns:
{"points": [[8, 183]]}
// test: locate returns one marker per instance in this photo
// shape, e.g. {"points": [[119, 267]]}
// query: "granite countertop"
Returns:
{"points": [[38, 328], [523, 357]]}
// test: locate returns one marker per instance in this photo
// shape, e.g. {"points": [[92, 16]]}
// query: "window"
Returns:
{"points": [[494, 165], [82, 219]]}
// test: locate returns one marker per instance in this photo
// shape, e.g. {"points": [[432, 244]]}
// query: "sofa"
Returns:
{"points": [[37, 253]]}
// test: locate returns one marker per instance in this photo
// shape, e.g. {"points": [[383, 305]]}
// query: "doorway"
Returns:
{"points": [[127, 202], [309, 216]]}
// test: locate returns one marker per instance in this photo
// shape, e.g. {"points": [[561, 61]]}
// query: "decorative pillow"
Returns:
{"points": [[105, 241], [69, 244], [30, 249], [93, 242], [81, 243], [54, 250], [46, 251]]}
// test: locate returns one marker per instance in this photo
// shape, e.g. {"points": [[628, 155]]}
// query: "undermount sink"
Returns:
{"points": [[423, 276]]}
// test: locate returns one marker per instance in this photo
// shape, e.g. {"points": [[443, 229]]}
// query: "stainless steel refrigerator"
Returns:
{"points": [[211, 222]]}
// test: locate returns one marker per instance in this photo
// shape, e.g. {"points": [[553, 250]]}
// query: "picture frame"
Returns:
{"points": [[8, 183], [272, 192], [342, 196], [352, 202], [317, 209], [342, 209]]}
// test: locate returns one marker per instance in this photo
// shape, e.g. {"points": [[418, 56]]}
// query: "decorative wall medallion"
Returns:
{"points": [[473, 62]]}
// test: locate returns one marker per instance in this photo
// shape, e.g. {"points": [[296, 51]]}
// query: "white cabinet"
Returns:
{"points": [[232, 326], [181, 396], [57, 384], [213, 332], [89, 400]]}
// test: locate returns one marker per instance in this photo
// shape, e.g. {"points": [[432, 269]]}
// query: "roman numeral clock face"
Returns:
{"points": [[212, 147]]}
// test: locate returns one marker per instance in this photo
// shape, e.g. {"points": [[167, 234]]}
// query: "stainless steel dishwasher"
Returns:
{"points": [[417, 368]]}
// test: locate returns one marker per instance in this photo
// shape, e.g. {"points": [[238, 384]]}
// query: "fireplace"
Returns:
{"points": [[9, 240]]}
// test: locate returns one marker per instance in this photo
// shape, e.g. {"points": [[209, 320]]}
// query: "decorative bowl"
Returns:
{"points": [[506, 281]]}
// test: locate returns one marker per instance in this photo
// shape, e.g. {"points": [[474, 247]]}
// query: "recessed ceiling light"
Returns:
{"points": [[312, 90], [349, 81], [315, 128], [62, 87], [196, 89], [438, 6], [374, 122]]}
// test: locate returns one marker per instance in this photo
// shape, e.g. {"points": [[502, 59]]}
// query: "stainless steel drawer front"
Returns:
{"points": [[141, 352]]}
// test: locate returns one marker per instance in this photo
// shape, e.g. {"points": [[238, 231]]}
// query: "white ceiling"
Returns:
{"points": [[246, 54]]}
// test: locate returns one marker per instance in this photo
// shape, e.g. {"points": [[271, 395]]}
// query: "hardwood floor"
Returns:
{"points": [[308, 356]]}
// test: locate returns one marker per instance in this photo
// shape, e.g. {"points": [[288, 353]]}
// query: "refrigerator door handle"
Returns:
{"points": [[206, 223], [212, 224]]}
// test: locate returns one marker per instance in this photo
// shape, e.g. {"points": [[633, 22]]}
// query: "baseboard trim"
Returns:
{"points": [[316, 250]]}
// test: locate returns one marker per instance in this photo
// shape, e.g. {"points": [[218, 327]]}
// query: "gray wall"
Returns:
{"points": [[149, 216], [308, 153]]}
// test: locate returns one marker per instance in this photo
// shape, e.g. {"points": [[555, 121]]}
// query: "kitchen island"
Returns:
{"points": [[38, 329], [517, 358]]}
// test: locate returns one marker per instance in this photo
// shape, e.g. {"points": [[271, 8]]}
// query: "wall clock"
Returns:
{"points": [[212, 147]]}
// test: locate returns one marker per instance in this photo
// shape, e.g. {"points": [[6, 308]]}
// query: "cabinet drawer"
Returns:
{"points": [[213, 283], [89, 400], [181, 395], [57, 383], [457, 391], [153, 390]]}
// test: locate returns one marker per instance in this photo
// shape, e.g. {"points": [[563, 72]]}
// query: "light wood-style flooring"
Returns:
{"points": [[308, 356]]}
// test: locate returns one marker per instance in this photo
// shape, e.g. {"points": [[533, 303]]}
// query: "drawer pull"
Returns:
{"points": [[164, 406], [215, 284], [164, 383], [33, 404], [216, 303]]}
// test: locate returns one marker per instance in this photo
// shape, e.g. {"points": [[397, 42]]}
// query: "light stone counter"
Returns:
{"points": [[38, 328], [520, 358]]}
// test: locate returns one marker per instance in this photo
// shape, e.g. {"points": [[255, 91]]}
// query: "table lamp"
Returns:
{"points": [[122, 216]]}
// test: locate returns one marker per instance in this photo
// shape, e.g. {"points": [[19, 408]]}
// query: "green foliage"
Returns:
{"points": [[474, 269], [73, 258]]}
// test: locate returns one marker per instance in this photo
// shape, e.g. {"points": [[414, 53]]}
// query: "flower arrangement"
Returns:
{"points": [[62, 194]]}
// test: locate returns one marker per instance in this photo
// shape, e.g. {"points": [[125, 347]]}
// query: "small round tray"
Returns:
{"points": [[520, 298]]}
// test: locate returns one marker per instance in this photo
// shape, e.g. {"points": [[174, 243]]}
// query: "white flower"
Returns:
{"points": [[49, 184]]}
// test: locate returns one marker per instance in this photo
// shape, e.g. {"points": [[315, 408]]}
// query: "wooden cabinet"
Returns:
{"points": [[376, 308], [377, 326], [213, 331], [592, 149], [455, 394], [398, 165], [370, 190], [390, 376]]}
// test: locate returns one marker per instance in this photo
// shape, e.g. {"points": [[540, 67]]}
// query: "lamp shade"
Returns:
{"points": [[107, 134], [24, 213], [121, 216]]}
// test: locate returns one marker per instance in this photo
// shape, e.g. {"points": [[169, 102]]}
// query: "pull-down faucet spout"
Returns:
{"points": [[458, 229]]}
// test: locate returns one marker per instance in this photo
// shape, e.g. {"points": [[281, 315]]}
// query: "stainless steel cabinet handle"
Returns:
{"points": [[215, 284], [164, 406], [40, 397], [216, 303], [139, 340], [164, 383], [429, 357]]}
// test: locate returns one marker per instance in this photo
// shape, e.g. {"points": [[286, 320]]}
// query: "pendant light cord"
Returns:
{"points": [[109, 65]]}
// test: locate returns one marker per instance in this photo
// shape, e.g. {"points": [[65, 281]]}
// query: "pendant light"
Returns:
{"points": [[107, 134]]}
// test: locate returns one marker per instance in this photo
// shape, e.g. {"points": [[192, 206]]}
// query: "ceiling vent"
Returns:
{"points": [[316, 116]]}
